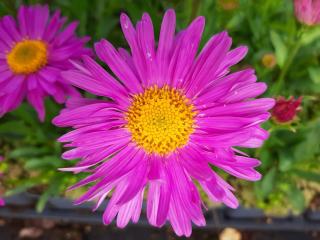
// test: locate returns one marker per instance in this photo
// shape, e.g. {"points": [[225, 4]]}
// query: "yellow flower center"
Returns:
{"points": [[160, 120], [27, 56]]}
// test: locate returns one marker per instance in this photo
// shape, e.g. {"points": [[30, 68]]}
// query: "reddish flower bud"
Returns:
{"points": [[285, 111], [307, 11]]}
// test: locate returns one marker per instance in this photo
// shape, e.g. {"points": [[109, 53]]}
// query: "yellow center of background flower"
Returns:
{"points": [[160, 120], [27, 56]]}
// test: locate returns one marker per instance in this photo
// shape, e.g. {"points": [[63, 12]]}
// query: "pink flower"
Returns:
{"points": [[285, 111], [33, 51], [172, 115], [307, 11]]}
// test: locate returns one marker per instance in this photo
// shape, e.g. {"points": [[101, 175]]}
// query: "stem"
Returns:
{"points": [[195, 9], [293, 52], [280, 80]]}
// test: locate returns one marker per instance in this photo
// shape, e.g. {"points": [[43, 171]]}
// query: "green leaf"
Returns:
{"points": [[77, 9], [307, 148], [308, 175], [296, 198], [280, 48], [27, 114], [27, 152], [40, 163], [42, 201], [314, 73], [311, 35], [285, 161], [22, 187], [267, 183], [16, 127], [52, 190], [266, 158], [234, 21]]}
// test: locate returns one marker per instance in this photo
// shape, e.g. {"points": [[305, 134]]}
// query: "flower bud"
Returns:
{"points": [[307, 11], [269, 60], [285, 111]]}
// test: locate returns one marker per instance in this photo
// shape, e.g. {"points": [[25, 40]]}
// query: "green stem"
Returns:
{"points": [[280, 80], [195, 9]]}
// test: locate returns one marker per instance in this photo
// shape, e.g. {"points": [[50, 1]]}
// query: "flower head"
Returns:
{"points": [[307, 11], [285, 111], [172, 115], [33, 51]]}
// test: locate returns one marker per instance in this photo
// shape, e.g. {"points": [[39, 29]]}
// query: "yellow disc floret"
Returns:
{"points": [[160, 120], [27, 56]]}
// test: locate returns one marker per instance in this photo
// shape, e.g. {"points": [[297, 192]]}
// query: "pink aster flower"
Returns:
{"points": [[33, 51], [307, 11], [172, 115]]}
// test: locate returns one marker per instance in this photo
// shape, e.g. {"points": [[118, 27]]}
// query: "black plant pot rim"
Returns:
{"points": [[22, 206]]}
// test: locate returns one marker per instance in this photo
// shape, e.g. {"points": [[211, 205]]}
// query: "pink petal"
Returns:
{"points": [[245, 109], [165, 44], [185, 52], [36, 99], [110, 56]]}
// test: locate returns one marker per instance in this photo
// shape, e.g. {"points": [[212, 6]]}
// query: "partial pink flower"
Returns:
{"points": [[307, 11], [285, 111], [172, 115], [34, 49]]}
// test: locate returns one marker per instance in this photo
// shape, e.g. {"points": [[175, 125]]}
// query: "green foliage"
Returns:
{"points": [[290, 157], [280, 48], [33, 154]]}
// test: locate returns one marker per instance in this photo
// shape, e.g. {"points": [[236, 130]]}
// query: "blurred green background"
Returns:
{"points": [[284, 53]]}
